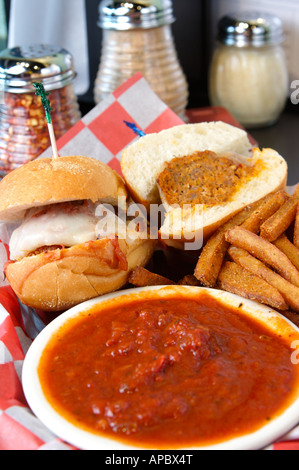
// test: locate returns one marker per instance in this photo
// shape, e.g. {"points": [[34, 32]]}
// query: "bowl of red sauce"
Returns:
{"points": [[171, 367]]}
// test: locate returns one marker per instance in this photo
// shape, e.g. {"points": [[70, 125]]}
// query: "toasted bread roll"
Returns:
{"points": [[58, 255]]}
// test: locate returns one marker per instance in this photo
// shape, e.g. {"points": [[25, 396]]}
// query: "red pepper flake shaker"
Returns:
{"points": [[23, 126]]}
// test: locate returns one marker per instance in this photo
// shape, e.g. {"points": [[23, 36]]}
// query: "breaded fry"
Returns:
{"points": [[265, 251], [288, 248], [189, 280], [293, 316], [211, 258], [296, 229], [234, 278], [279, 222], [296, 191], [264, 211], [141, 277], [289, 292]]}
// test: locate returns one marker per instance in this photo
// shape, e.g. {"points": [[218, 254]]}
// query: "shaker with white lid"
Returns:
{"points": [[137, 37], [248, 74]]}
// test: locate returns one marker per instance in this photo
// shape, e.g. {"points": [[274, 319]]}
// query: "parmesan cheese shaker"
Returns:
{"points": [[137, 37], [248, 73]]}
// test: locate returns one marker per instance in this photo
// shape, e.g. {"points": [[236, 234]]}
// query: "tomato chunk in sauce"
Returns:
{"points": [[167, 372]]}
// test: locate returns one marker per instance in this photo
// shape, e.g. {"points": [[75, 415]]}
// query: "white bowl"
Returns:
{"points": [[88, 441]]}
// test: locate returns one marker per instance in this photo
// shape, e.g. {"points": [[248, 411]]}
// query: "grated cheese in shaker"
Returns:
{"points": [[137, 37], [248, 74]]}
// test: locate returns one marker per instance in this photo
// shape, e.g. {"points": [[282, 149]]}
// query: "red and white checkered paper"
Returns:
{"points": [[101, 134]]}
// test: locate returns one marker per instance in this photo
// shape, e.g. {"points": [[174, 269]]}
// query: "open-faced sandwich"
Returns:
{"points": [[202, 174]]}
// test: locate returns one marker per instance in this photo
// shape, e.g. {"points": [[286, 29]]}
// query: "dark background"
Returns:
{"points": [[190, 39], [192, 36]]}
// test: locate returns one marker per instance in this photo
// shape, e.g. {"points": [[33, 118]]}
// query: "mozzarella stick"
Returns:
{"points": [[289, 292], [265, 210], [264, 251], [234, 278]]}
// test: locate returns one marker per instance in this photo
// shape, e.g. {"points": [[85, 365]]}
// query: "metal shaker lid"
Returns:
{"points": [[20, 67], [141, 14], [250, 28]]}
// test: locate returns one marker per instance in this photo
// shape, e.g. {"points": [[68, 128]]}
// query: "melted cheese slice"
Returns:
{"points": [[52, 228], [68, 225]]}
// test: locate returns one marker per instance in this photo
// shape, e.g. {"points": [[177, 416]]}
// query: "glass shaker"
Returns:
{"points": [[137, 37], [248, 73], [24, 133]]}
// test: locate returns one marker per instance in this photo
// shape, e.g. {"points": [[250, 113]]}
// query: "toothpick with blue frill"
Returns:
{"points": [[135, 129]]}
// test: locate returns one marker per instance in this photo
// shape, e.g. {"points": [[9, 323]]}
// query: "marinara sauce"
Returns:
{"points": [[167, 373]]}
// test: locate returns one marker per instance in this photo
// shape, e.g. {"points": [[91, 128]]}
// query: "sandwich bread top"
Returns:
{"points": [[47, 181]]}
